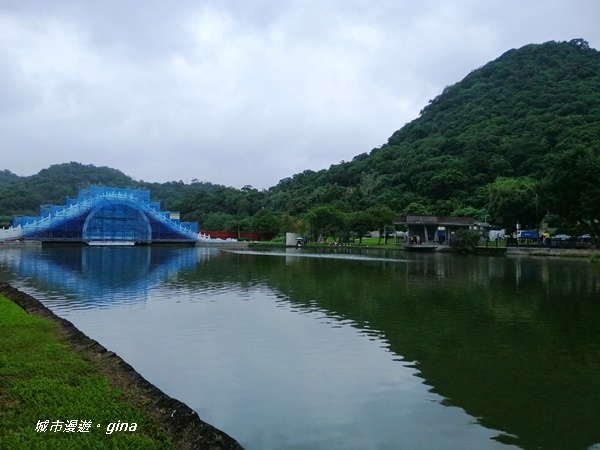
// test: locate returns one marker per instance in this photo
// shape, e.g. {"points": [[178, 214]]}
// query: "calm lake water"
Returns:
{"points": [[338, 350]]}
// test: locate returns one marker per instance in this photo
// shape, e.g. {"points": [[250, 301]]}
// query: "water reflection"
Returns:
{"points": [[340, 336], [512, 341], [89, 277]]}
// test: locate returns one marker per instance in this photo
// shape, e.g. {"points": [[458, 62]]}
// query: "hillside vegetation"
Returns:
{"points": [[513, 140], [517, 140]]}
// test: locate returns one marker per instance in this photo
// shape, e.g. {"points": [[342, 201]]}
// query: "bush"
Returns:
{"points": [[467, 240]]}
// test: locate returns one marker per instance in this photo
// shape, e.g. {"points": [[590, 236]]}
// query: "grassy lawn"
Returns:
{"points": [[366, 242], [42, 379]]}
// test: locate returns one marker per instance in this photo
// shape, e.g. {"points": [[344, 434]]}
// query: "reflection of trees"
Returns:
{"points": [[514, 342], [507, 340]]}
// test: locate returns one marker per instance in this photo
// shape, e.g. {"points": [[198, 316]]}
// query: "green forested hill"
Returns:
{"points": [[517, 140], [6, 177], [485, 145], [24, 195]]}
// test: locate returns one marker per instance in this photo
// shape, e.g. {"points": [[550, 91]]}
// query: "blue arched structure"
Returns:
{"points": [[106, 216], [117, 221]]}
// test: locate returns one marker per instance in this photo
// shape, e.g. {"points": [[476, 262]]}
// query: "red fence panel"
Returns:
{"points": [[232, 235]]}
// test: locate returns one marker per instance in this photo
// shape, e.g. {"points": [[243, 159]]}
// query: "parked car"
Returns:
{"points": [[561, 237]]}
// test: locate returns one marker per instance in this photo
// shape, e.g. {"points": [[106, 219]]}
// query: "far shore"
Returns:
{"points": [[591, 253], [554, 252]]}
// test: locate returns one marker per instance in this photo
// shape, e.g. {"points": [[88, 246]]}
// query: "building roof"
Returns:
{"points": [[434, 220]]}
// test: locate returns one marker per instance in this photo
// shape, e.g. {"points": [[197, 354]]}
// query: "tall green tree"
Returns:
{"points": [[266, 223], [287, 224], [571, 188], [325, 221], [382, 216], [218, 222], [512, 201], [361, 222]]}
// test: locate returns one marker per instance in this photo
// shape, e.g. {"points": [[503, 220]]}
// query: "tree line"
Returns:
{"points": [[515, 141]]}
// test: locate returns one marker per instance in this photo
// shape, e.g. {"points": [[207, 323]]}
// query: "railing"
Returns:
{"points": [[161, 218], [441, 220], [68, 212], [80, 207], [12, 233]]}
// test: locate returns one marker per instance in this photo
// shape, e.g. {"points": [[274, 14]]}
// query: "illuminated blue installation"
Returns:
{"points": [[106, 216]]}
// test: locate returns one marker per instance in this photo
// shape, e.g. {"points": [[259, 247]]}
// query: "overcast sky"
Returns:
{"points": [[242, 92]]}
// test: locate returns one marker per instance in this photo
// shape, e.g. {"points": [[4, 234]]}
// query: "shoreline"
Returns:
{"points": [[181, 423], [489, 251], [552, 252]]}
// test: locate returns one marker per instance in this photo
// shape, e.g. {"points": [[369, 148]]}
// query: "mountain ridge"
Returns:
{"points": [[483, 147]]}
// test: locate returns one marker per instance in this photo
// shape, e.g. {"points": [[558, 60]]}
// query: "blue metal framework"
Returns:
{"points": [[109, 215]]}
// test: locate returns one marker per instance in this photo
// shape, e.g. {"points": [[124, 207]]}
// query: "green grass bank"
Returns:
{"points": [[61, 390]]}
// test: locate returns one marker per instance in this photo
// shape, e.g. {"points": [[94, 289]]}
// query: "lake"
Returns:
{"points": [[339, 349]]}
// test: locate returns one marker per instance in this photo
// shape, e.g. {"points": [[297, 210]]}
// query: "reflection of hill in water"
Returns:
{"points": [[93, 276], [514, 342]]}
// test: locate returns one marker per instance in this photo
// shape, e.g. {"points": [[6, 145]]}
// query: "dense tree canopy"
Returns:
{"points": [[487, 144], [571, 189]]}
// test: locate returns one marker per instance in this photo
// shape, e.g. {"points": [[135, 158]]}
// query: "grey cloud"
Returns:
{"points": [[238, 92]]}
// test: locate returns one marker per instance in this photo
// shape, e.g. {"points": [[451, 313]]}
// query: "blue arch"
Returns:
{"points": [[106, 214], [117, 220]]}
